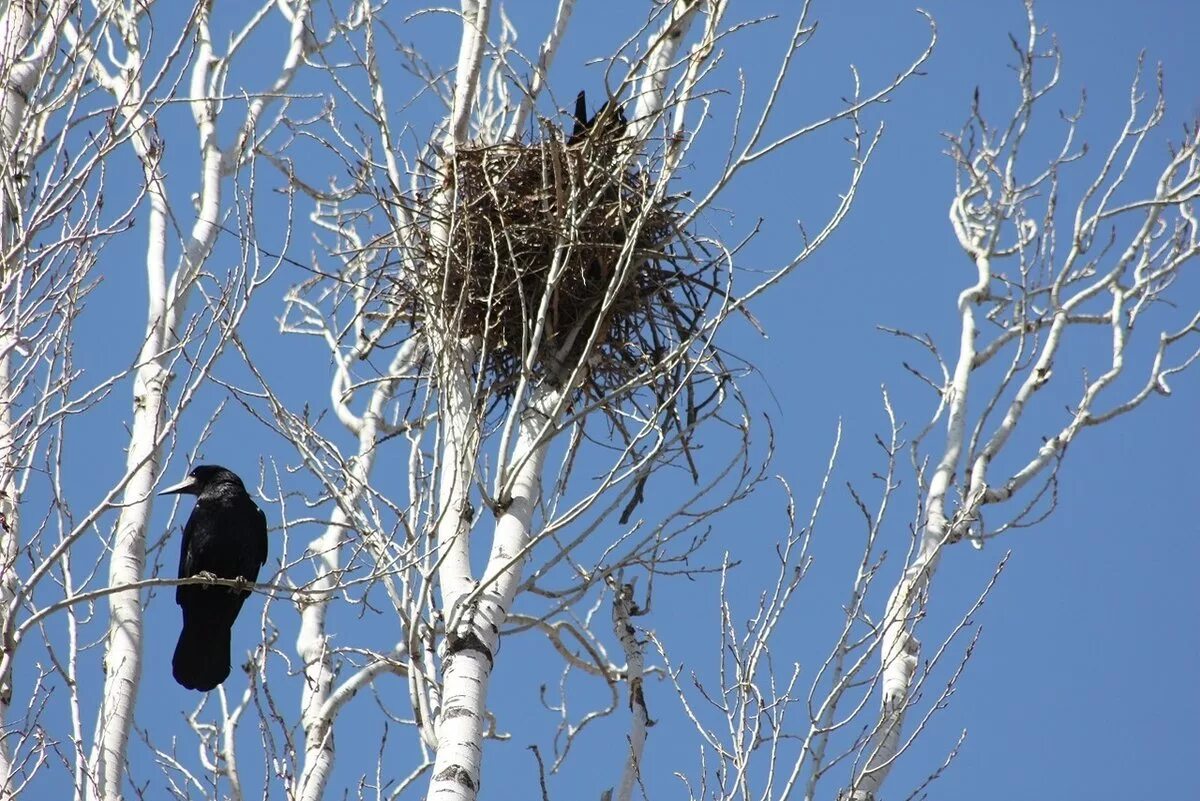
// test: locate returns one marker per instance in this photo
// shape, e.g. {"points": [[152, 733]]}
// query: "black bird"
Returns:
{"points": [[225, 537], [612, 122]]}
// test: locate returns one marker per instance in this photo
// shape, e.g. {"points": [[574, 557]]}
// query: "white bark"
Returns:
{"points": [[662, 55], [899, 648], [123, 654], [546, 54], [15, 25], [456, 468], [312, 643], [623, 611], [473, 627], [476, 14], [23, 53], [166, 312], [459, 426], [993, 204], [10, 527]]}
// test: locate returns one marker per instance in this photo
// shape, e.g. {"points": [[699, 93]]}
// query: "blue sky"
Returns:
{"points": [[1081, 685]]}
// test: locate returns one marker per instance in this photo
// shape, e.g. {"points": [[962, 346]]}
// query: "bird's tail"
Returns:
{"points": [[201, 660]]}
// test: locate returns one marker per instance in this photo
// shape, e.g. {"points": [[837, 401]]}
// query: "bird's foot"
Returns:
{"points": [[206, 576]]}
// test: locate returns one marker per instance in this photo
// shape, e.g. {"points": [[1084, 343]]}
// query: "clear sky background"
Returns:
{"points": [[1083, 683]]}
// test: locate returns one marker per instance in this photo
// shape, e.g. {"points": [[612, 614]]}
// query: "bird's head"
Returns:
{"points": [[202, 476]]}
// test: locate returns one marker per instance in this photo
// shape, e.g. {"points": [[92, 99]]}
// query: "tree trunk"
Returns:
{"points": [[473, 625]]}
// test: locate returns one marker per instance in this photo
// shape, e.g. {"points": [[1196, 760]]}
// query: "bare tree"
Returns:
{"points": [[1110, 263], [521, 308], [544, 294], [81, 88]]}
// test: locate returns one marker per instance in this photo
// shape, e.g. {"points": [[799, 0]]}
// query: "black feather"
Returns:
{"points": [[580, 128], [226, 535], [611, 119]]}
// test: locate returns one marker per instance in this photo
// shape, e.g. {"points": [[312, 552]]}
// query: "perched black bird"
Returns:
{"points": [[225, 537], [612, 121]]}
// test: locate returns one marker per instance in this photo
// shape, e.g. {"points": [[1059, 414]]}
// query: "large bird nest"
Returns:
{"points": [[573, 235]]}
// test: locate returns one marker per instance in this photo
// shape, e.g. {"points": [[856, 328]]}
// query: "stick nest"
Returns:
{"points": [[573, 236]]}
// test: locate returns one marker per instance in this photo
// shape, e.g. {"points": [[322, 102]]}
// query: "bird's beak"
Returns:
{"points": [[187, 485]]}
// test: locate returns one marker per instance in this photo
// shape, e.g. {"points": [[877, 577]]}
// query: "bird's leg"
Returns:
{"points": [[206, 576]]}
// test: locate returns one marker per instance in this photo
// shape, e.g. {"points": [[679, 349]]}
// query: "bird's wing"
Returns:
{"points": [[260, 537], [186, 568], [612, 120]]}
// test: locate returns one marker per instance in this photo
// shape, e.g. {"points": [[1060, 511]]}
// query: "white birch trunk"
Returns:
{"points": [[899, 647], [635, 660], [21, 61], [123, 652], [664, 52], [459, 426], [15, 26], [546, 54], [460, 443], [123, 655], [476, 15], [10, 527], [312, 643], [475, 613], [473, 628]]}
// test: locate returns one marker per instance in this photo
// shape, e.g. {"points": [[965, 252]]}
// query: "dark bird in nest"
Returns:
{"points": [[609, 121], [225, 537]]}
